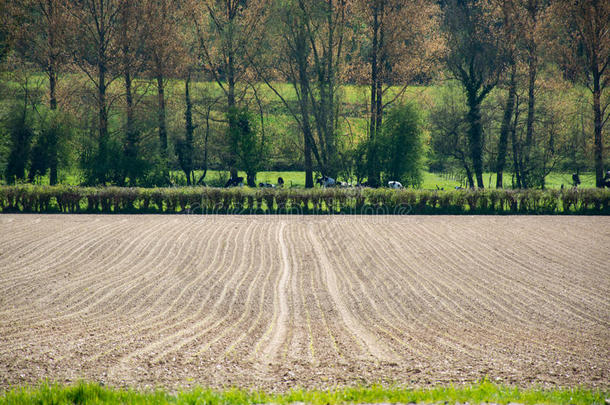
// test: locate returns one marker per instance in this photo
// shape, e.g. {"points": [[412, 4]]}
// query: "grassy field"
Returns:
{"points": [[91, 393], [430, 180], [297, 179]]}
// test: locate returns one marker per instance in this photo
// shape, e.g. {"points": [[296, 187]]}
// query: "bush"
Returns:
{"points": [[210, 200], [401, 145]]}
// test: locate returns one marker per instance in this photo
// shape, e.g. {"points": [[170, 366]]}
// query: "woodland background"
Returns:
{"points": [[158, 92]]}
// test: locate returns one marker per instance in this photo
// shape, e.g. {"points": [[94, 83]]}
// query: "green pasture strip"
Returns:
{"points": [[430, 180], [91, 393], [329, 201]]}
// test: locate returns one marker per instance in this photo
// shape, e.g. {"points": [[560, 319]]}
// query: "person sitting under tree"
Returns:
{"points": [[575, 180]]}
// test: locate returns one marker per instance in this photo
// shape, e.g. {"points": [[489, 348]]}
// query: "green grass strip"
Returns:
{"points": [[91, 393]]}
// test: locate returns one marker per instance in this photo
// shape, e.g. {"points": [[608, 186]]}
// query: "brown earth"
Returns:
{"points": [[278, 302]]}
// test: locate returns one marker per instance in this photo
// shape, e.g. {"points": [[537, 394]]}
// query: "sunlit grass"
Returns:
{"points": [[91, 393]]}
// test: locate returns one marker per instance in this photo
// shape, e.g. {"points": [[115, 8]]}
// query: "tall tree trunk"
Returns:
{"points": [[306, 125], [378, 119], [597, 117], [469, 175], [308, 164], [303, 89], [531, 112], [505, 127], [103, 121], [515, 144], [381, 61], [52, 85], [130, 134], [231, 104], [189, 129], [327, 113], [476, 136], [373, 167], [53, 158], [52, 71], [161, 118]]}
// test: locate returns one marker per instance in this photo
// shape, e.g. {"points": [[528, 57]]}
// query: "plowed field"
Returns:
{"points": [[277, 302]]}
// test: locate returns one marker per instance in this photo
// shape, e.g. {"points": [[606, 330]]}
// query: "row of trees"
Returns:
{"points": [[508, 44], [112, 70]]}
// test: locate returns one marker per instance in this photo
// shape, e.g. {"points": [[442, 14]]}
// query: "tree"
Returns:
{"points": [[245, 139], [550, 146], [398, 44], [21, 133], [54, 130], [530, 30], [131, 43], [227, 32], [94, 47], [449, 130], [41, 39], [475, 58], [401, 145], [294, 49], [312, 56], [511, 33], [583, 50], [185, 147], [6, 29], [20, 123], [165, 49]]}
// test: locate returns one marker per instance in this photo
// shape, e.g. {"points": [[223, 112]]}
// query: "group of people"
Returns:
{"points": [[239, 182], [576, 180], [326, 182]]}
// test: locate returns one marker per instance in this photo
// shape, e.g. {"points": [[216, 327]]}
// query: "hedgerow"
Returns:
{"points": [[209, 200]]}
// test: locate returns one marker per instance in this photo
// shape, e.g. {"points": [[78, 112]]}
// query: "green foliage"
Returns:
{"points": [[246, 143], [51, 145], [448, 130], [103, 163], [210, 200], [481, 392], [21, 133], [400, 145]]}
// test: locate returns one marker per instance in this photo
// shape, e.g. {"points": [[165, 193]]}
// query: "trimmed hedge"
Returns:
{"points": [[208, 200]]}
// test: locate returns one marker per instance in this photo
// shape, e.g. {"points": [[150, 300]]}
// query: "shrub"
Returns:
{"points": [[30, 198]]}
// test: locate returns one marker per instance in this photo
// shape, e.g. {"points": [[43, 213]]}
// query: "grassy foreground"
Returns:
{"points": [[91, 393]]}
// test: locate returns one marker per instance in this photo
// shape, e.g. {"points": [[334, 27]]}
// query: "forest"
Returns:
{"points": [[153, 93]]}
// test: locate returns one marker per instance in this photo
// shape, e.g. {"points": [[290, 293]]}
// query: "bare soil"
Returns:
{"points": [[284, 301]]}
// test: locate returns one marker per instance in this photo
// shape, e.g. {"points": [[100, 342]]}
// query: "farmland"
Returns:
{"points": [[276, 302]]}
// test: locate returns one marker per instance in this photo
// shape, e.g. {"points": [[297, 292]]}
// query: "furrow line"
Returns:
{"points": [[509, 252], [30, 250], [398, 312], [244, 267], [145, 326], [54, 269], [533, 288], [74, 247], [70, 311], [182, 331], [463, 284], [263, 295], [476, 296], [113, 285], [370, 340], [280, 304], [209, 323], [385, 327]]}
